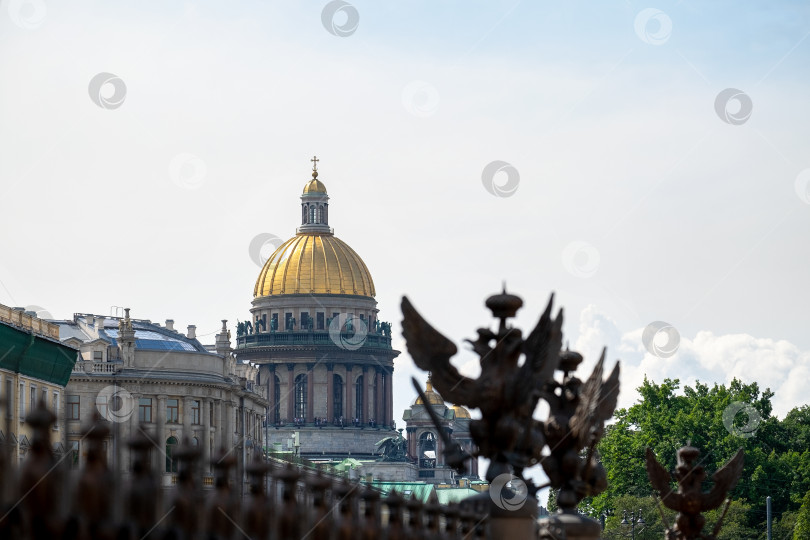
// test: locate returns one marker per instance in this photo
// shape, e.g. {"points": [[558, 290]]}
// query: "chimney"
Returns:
{"points": [[170, 324], [126, 339], [223, 347], [192, 332], [99, 323]]}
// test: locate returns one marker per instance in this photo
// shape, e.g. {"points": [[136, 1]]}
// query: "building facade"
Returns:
{"points": [[34, 366], [425, 443], [140, 375], [324, 357]]}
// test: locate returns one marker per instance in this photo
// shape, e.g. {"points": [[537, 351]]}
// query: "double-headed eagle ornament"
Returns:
{"points": [[507, 392], [689, 500]]}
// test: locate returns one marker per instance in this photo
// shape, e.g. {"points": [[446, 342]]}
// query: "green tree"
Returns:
{"points": [[802, 530], [734, 525], [784, 526], [552, 501], [777, 460], [652, 528]]}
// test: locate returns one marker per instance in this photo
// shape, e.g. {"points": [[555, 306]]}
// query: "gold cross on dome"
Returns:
{"points": [[314, 161]]}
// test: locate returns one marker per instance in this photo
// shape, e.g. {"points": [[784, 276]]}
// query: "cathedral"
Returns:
{"points": [[324, 356], [326, 361]]}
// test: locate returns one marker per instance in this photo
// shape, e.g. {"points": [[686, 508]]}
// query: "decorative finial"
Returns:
{"points": [[314, 161]]}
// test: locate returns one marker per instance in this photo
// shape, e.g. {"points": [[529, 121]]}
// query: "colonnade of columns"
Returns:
{"points": [[377, 405], [215, 427]]}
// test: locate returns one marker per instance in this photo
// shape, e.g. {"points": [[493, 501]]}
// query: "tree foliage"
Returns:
{"points": [[777, 459], [802, 530]]}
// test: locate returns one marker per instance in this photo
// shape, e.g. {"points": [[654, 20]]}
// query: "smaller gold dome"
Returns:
{"points": [[432, 396], [314, 185], [461, 412]]}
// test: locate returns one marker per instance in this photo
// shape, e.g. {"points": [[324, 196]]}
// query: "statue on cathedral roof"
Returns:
{"points": [[393, 448]]}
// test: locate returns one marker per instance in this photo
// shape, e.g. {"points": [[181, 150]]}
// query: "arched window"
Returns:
{"points": [[276, 400], [301, 396], [312, 214], [337, 396], [427, 450], [171, 461], [195, 441], [358, 399]]}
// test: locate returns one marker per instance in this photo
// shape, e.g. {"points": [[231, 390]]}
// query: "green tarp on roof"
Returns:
{"points": [[418, 489], [35, 356], [448, 495], [422, 491]]}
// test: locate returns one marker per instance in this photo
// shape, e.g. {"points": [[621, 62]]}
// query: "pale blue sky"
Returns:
{"points": [[695, 221]]}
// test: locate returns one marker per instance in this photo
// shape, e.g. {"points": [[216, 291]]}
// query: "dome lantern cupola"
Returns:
{"points": [[314, 205]]}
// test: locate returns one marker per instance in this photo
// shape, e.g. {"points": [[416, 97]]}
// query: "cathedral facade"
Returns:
{"points": [[324, 356]]}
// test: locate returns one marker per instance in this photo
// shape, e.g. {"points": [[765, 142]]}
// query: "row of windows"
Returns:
{"points": [[171, 445], [73, 410], [28, 400], [300, 398], [319, 322]]}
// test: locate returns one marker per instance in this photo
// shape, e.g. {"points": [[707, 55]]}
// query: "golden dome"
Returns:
{"points": [[432, 396], [314, 185], [316, 264], [461, 412]]}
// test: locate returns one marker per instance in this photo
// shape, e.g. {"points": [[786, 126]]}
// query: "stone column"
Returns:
{"points": [[389, 398], [290, 393], [271, 398], [378, 399], [330, 392], [227, 425], [131, 431], [205, 441], [411, 431], [439, 449], [160, 433], [186, 418], [368, 397], [310, 392], [349, 384], [219, 430]]}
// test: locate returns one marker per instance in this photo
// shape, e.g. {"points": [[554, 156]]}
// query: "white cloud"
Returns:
{"points": [[775, 364]]}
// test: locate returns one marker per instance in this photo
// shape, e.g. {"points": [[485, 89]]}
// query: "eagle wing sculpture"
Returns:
{"points": [[542, 351], [432, 351], [597, 403], [661, 481], [725, 479]]}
